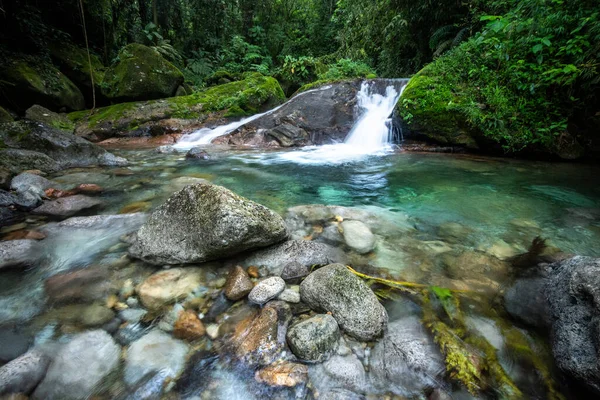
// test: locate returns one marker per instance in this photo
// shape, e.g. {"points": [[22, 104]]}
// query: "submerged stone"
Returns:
{"points": [[79, 367], [165, 287], [358, 236], [266, 290], [23, 374], [67, 206], [205, 222]]}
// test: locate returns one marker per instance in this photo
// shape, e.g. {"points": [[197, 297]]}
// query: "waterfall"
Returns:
{"points": [[373, 130]]}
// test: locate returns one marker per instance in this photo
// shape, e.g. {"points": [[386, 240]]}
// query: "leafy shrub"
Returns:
{"points": [[346, 68]]}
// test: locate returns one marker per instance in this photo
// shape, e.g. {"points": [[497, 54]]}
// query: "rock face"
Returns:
{"points": [[15, 253], [155, 351], [303, 253], [79, 367], [25, 84], [40, 114], [266, 290], [54, 149], [238, 284], [141, 74], [205, 222], [358, 236], [406, 360], [354, 306], [314, 339], [67, 206], [168, 286], [322, 115], [22, 374], [573, 293]]}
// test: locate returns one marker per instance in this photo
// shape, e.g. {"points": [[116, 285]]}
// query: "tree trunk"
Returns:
{"points": [[154, 13]]}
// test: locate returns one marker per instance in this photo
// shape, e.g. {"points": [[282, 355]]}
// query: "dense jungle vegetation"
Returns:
{"points": [[517, 73]]}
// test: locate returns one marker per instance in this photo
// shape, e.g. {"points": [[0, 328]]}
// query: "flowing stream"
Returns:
{"points": [[436, 219]]}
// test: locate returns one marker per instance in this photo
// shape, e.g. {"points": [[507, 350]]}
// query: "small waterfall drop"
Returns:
{"points": [[372, 132]]}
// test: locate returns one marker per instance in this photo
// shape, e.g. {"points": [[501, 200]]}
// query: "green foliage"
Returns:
{"points": [[522, 80], [346, 68]]}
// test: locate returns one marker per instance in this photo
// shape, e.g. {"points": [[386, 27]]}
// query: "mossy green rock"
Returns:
{"points": [[5, 116], [74, 63], [25, 83], [141, 74], [40, 114], [428, 106], [254, 94]]}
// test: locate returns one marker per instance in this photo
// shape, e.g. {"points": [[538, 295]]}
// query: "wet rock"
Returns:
{"points": [[306, 253], [166, 149], [23, 374], [474, 264], [573, 293], [130, 333], [260, 338], [84, 285], [331, 235], [288, 135], [25, 182], [526, 301], [188, 326], [358, 236], [41, 114], [289, 296], [453, 232], [18, 253], [205, 222], [339, 372], [314, 339], [406, 361], [266, 290], [155, 351], [193, 380], [219, 306], [37, 146], [238, 284], [79, 367], [67, 206], [165, 287], [132, 315], [96, 315], [88, 188], [13, 343], [354, 306], [150, 387], [294, 271], [284, 374], [197, 153]]}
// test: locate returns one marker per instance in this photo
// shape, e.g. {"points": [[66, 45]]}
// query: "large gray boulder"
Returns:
{"points": [[22, 374], [406, 361], [573, 292], [79, 367], [304, 253], [352, 303], [205, 222], [50, 144]]}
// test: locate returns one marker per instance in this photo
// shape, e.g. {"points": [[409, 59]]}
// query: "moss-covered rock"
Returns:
{"points": [[59, 121], [25, 82], [251, 95], [73, 62], [428, 107], [5, 116], [141, 74]]}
